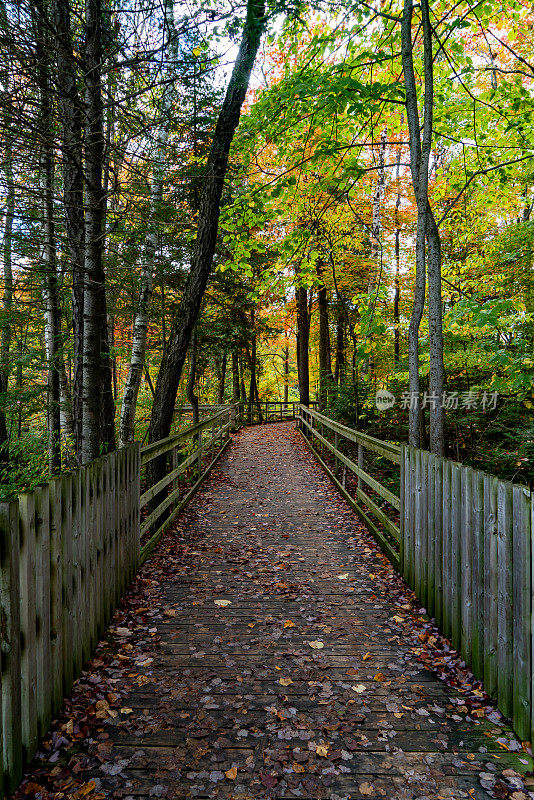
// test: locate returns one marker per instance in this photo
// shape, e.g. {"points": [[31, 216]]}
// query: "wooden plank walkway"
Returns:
{"points": [[268, 650]]}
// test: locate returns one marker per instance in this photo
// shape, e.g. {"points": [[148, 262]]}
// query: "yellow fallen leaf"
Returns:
{"points": [[366, 789], [322, 750], [88, 788], [170, 612], [343, 577], [316, 645], [298, 767], [126, 710], [359, 688], [289, 624], [251, 624], [231, 773], [379, 677], [366, 657], [223, 603], [285, 681], [396, 618]]}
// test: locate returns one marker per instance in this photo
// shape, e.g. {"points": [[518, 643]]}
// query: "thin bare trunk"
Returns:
{"points": [[71, 119], [222, 380], [235, 376], [325, 368], [191, 396], [303, 345], [208, 223], [140, 325]]}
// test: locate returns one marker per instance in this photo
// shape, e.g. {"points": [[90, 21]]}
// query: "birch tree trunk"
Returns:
{"points": [[208, 223], [7, 245], [50, 281], [140, 325], [71, 120]]}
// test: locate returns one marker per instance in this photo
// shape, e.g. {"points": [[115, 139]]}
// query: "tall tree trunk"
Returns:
{"points": [[208, 223], [325, 366], [303, 345], [7, 246], [396, 296], [339, 375], [191, 396], [52, 313], [94, 438], [436, 376], [286, 374], [222, 380], [376, 244], [140, 325], [419, 158], [71, 118], [235, 376]]}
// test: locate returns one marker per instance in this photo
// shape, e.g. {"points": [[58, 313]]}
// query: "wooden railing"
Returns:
{"points": [[68, 550], [192, 454], [464, 545], [341, 451], [250, 413]]}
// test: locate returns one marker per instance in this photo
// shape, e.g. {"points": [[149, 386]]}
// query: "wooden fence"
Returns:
{"points": [[333, 444], [68, 550], [466, 551], [464, 545]]}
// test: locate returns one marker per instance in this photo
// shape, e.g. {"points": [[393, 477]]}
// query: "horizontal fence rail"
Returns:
{"points": [[68, 551], [341, 451], [188, 457]]}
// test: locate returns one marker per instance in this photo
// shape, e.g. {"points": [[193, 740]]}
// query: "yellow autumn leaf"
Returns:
{"points": [[366, 657], [231, 773], [359, 688], [316, 645], [322, 750], [285, 681], [366, 789], [223, 603], [343, 577], [289, 624]]}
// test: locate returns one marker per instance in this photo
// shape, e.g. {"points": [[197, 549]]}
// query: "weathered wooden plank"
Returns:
{"points": [[418, 530], [81, 612], [10, 644], [477, 521], [403, 504], [446, 516], [438, 534], [505, 602], [67, 578], [467, 546], [56, 591], [430, 595], [455, 564], [42, 609], [28, 624], [522, 602], [490, 584]]}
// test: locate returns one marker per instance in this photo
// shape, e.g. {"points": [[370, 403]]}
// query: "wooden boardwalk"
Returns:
{"points": [[268, 650]]}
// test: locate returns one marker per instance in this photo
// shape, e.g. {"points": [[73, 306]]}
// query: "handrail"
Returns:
{"points": [[385, 530], [155, 449]]}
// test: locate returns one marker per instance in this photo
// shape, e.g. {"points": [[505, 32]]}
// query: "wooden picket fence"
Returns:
{"points": [[466, 551], [68, 551], [464, 545]]}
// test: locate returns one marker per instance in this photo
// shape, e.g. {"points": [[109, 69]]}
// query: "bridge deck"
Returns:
{"points": [[268, 650]]}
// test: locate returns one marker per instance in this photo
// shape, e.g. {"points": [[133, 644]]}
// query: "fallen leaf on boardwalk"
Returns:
{"points": [[231, 773], [343, 577], [126, 710], [316, 645], [366, 657], [170, 612], [322, 750], [285, 681], [359, 688], [289, 624], [223, 603], [379, 677], [366, 789]]}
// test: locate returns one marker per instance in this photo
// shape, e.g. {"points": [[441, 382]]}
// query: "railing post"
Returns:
{"points": [[199, 458], [360, 462], [336, 460], [213, 440]]}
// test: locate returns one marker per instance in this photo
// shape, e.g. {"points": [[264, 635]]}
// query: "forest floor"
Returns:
{"points": [[268, 650]]}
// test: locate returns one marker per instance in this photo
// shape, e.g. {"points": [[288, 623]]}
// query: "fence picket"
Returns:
{"points": [[42, 603], [56, 592], [28, 620], [522, 594], [505, 602], [466, 563], [490, 584], [477, 521], [11, 656]]}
